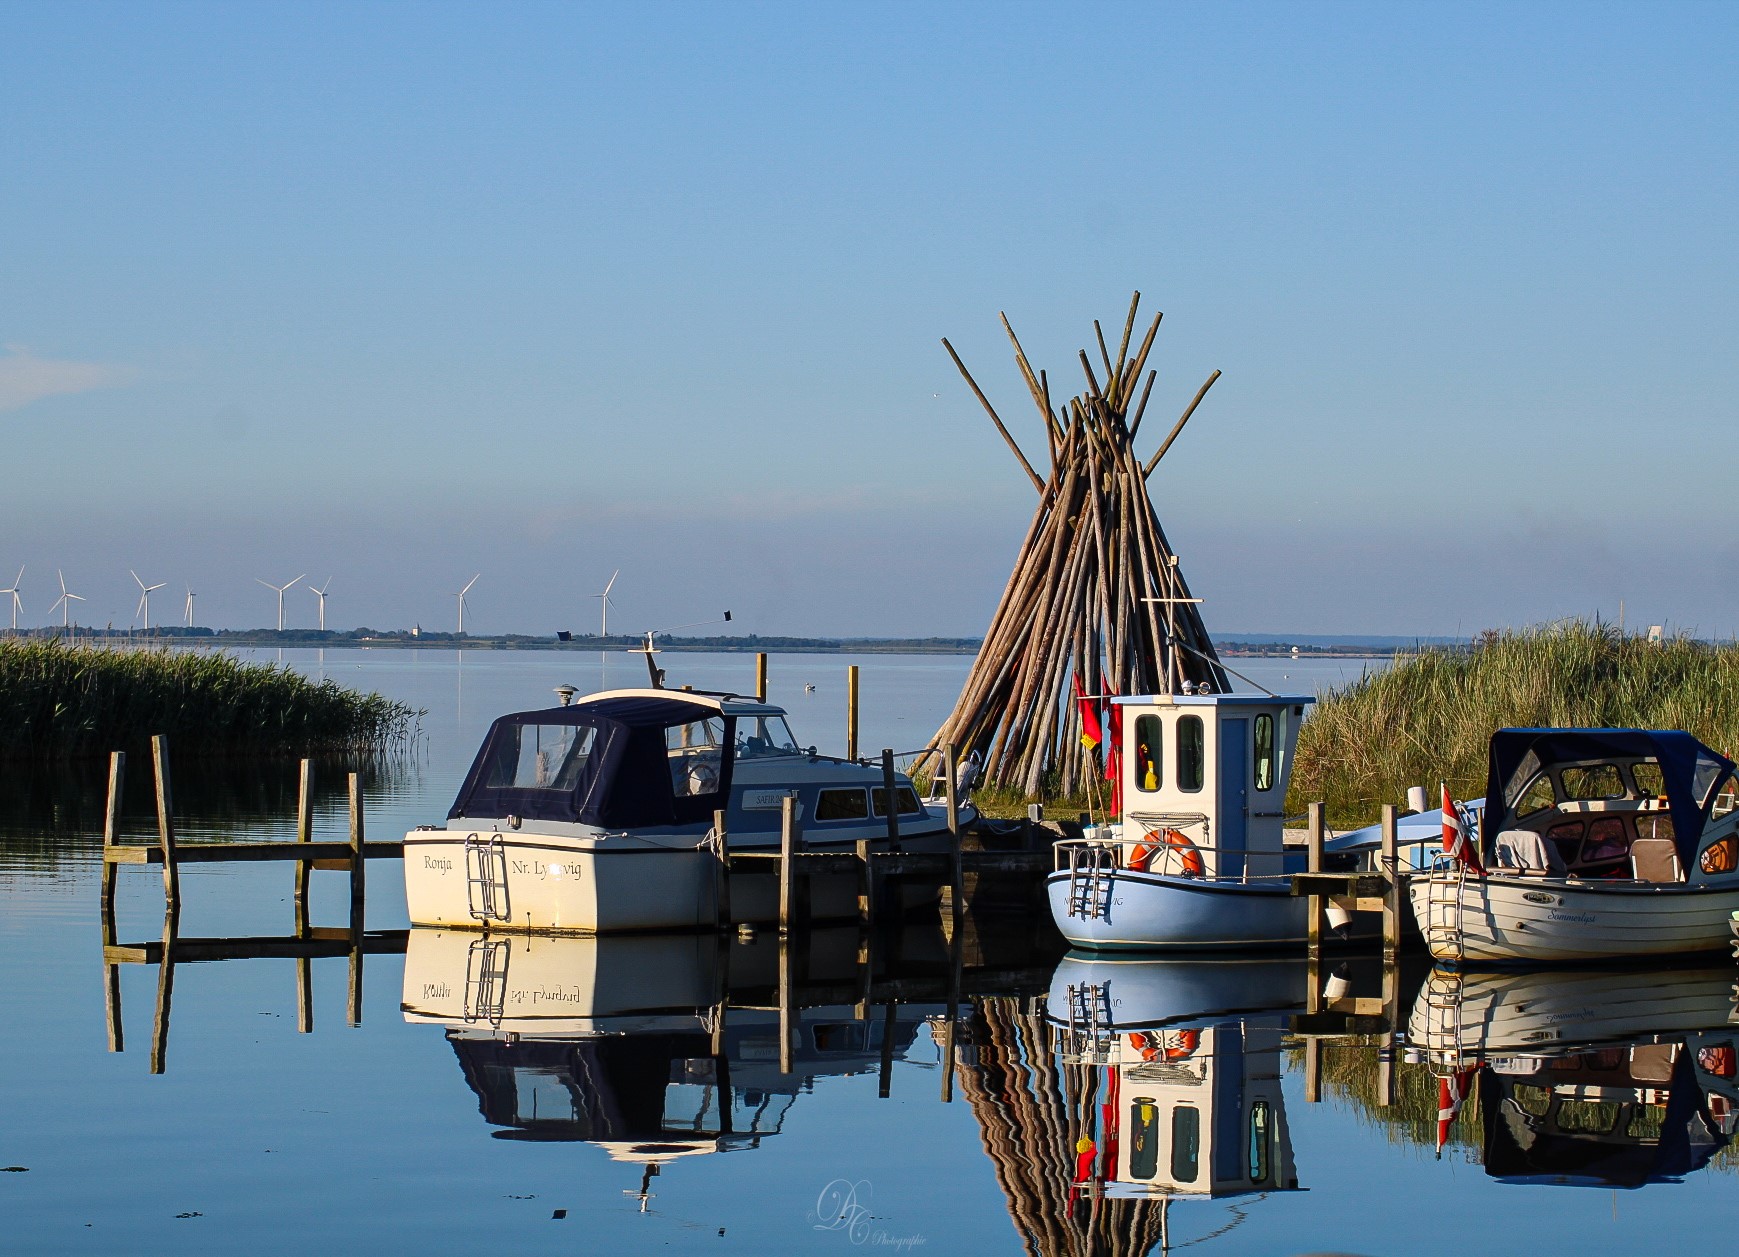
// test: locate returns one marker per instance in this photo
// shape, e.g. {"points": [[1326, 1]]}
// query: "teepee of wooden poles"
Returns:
{"points": [[1096, 592]]}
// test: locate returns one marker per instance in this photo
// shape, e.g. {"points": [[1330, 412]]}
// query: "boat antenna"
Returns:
{"points": [[649, 650]]}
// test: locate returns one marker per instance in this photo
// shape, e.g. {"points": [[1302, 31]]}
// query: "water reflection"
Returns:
{"points": [[1579, 1078]]}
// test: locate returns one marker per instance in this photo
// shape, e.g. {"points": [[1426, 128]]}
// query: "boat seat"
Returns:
{"points": [[1656, 860], [1524, 851]]}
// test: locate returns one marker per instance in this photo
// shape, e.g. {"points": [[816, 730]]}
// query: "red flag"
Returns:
{"points": [[1451, 1091], [1114, 759], [1455, 839], [1092, 733]]}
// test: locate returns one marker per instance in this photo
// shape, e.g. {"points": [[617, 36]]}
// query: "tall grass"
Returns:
{"points": [[1430, 716], [59, 701]]}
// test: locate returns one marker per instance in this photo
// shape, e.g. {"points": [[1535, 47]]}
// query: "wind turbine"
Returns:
{"points": [[605, 597], [280, 588], [190, 597], [461, 597], [145, 592], [320, 593], [66, 599], [17, 604]]}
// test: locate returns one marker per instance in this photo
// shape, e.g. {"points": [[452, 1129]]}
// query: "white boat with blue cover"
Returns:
{"points": [[598, 816], [1196, 859]]}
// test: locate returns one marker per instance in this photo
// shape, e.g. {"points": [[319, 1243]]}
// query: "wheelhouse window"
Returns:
{"points": [[909, 805], [1261, 1137], [761, 736], [1186, 1139], [1149, 753], [1649, 781], [1189, 753], [1538, 797], [540, 757], [1264, 765], [1143, 1138], [842, 805]]}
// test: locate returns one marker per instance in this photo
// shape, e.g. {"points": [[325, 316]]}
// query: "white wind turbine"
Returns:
{"points": [[145, 592], [320, 593], [280, 588], [604, 599], [190, 597], [461, 597], [17, 603], [66, 599]]}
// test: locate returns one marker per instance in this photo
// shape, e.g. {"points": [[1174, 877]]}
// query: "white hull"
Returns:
{"points": [[1460, 1016], [1138, 910], [583, 885], [1499, 920]]}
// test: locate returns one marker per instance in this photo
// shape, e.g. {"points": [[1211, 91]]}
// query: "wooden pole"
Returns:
{"points": [[787, 1001], [1313, 902], [1312, 1070], [956, 867], [112, 836], [722, 874], [890, 804], [885, 1076], [851, 711], [304, 833], [166, 820], [1178, 427], [866, 898], [788, 835], [165, 991], [1392, 888], [358, 868], [761, 676]]}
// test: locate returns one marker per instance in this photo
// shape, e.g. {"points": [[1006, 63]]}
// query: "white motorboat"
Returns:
{"points": [[1196, 858], [599, 816], [1593, 843]]}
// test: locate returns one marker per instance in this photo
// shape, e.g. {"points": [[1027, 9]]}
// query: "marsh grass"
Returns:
{"points": [[1430, 717], [61, 701]]}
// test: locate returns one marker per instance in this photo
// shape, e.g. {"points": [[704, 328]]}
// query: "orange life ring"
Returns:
{"points": [[1156, 840], [1182, 1044]]}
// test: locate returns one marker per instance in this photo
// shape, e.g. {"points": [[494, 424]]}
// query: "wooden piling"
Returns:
{"points": [[1313, 863], [761, 676], [111, 836], [722, 872], [1391, 870], [304, 833], [866, 895], [885, 1076], [166, 820], [358, 867], [1312, 1070], [851, 711], [787, 1000], [956, 870], [788, 834], [165, 989], [890, 802]]}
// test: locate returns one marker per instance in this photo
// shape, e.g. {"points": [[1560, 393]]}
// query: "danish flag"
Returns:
{"points": [[1455, 839]]}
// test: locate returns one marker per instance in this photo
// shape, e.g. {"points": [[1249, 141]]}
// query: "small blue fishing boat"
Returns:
{"points": [[1195, 859]]}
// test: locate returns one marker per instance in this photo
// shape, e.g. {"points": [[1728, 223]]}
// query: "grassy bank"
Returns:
{"points": [[1429, 717], [59, 701]]}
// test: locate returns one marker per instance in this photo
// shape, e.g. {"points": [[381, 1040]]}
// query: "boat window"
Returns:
{"points": [[1592, 781], [908, 801], [1189, 753], [694, 750], [1143, 1138], [1532, 1100], [1649, 782], [1592, 1117], [842, 805], [1721, 856], [1149, 753], [1654, 825], [1647, 1122], [759, 736], [1703, 780], [696, 734], [1186, 1138], [1567, 836], [539, 757], [1259, 1142], [1264, 752], [1606, 840], [1537, 797]]}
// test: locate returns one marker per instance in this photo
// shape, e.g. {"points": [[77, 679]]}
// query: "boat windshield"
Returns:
{"points": [[540, 757], [761, 736]]}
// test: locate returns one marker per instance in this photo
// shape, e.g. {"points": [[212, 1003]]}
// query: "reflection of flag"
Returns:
{"points": [[1092, 733], [1451, 1091], [1455, 839]]}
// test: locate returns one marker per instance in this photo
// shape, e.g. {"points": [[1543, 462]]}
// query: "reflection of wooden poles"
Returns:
{"points": [[165, 989], [111, 835], [358, 868], [304, 833], [166, 821]]}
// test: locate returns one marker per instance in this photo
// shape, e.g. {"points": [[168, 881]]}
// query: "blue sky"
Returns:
{"points": [[393, 294]]}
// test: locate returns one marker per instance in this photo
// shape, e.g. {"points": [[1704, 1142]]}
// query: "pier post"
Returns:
{"points": [[956, 871], [722, 874], [357, 895], [1391, 869], [761, 677], [304, 833], [166, 820], [111, 836], [890, 804], [1312, 1070], [851, 711], [165, 989], [866, 897], [885, 1076], [1313, 903], [788, 834], [787, 1000]]}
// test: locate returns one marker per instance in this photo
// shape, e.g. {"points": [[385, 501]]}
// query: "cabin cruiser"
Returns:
{"points": [[599, 815], [1593, 843], [1195, 859]]}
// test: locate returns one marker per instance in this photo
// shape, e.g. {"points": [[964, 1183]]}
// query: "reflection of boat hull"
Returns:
{"points": [[1152, 992], [527, 881], [1142, 911], [1501, 919], [1473, 1015]]}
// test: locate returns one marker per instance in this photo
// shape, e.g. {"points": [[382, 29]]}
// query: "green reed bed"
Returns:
{"points": [[65, 701], [1430, 716]]}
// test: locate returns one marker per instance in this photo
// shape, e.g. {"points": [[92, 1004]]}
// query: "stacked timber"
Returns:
{"points": [[1096, 596]]}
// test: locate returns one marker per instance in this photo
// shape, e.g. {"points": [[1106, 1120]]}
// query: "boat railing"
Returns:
{"points": [[1151, 851]]}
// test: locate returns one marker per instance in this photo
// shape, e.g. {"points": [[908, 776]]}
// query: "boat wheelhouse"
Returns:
{"points": [[599, 815], [1593, 843], [1196, 859]]}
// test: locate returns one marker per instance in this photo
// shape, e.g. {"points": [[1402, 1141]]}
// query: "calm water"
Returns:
{"points": [[634, 1089]]}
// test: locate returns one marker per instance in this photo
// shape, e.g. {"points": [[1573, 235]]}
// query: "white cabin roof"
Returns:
{"points": [[725, 705], [1215, 700]]}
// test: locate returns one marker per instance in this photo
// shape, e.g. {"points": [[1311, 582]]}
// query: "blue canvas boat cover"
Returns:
{"points": [[615, 771], [1689, 770]]}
